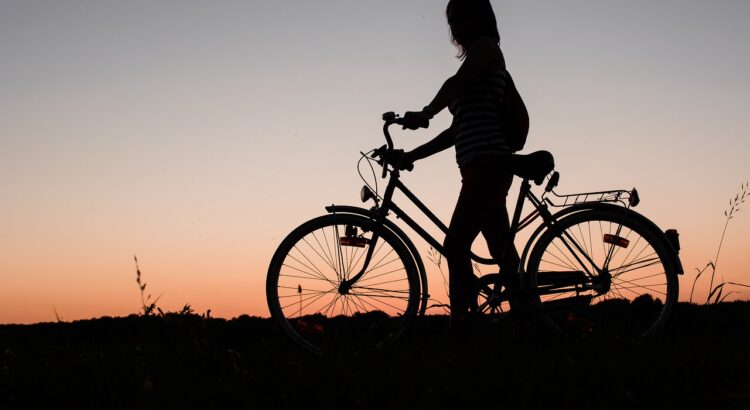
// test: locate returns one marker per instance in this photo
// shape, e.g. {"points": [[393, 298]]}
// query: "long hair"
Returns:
{"points": [[469, 20]]}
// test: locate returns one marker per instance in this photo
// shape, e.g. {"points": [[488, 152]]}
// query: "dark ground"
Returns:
{"points": [[702, 360]]}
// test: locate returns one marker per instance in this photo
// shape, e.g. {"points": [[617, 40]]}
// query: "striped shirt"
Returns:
{"points": [[476, 116]]}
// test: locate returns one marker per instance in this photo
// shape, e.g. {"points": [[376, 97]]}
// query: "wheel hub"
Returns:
{"points": [[345, 287]]}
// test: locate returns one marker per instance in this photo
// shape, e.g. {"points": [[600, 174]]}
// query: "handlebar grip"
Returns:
{"points": [[387, 135], [389, 119], [409, 166]]}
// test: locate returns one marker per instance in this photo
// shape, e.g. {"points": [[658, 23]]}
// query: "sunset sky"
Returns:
{"points": [[196, 135]]}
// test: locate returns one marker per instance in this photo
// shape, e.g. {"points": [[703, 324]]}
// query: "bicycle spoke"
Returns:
{"points": [[609, 248], [628, 290], [566, 267], [377, 264], [583, 240], [406, 292], [616, 289], [564, 263], [315, 268], [564, 253], [373, 307], [557, 295], [333, 249], [327, 250], [358, 303], [299, 290], [369, 278], [376, 298], [310, 276], [304, 300], [297, 295], [636, 285], [339, 254], [351, 264], [648, 276], [331, 307], [300, 277], [345, 305], [361, 255], [390, 281], [327, 262], [591, 242], [633, 247], [379, 295], [616, 248], [643, 264]]}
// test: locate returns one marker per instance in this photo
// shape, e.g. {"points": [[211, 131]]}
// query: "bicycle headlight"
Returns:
{"points": [[365, 194]]}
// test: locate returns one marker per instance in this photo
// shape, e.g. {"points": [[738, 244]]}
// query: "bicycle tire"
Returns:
{"points": [[633, 297], [302, 285]]}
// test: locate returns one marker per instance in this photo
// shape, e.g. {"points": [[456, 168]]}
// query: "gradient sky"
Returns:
{"points": [[196, 135]]}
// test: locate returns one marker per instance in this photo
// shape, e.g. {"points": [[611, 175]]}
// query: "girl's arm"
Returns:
{"points": [[441, 142]]}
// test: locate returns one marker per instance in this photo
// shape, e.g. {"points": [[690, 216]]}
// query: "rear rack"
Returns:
{"points": [[626, 198]]}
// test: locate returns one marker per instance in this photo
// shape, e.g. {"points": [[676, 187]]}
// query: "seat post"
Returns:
{"points": [[510, 241], [522, 193]]}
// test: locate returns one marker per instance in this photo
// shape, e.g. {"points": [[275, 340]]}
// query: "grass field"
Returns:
{"points": [[702, 360]]}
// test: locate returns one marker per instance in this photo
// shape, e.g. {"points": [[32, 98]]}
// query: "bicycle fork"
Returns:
{"points": [[351, 238], [346, 284]]}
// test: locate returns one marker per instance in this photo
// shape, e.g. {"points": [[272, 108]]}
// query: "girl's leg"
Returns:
{"points": [[496, 228], [464, 228], [475, 203]]}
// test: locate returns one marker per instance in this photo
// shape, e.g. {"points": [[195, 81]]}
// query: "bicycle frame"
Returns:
{"points": [[379, 213]]}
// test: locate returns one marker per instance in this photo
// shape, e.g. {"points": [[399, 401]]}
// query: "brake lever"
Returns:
{"points": [[379, 152], [379, 155]]}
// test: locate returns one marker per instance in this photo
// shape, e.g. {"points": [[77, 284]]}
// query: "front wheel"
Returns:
{"points": [[602, 271], [305, 296]]}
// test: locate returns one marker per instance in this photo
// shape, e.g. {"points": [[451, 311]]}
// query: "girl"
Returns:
{"points": [[473, 95]]}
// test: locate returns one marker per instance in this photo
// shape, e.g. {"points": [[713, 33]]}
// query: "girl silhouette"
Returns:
{"points": [[473, 95]]}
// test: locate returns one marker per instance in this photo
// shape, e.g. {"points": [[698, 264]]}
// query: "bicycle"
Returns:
{"points": [[351, 280]]}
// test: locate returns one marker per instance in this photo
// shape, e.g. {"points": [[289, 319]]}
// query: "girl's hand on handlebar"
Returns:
{"points": [[407, 161], [415, 119], [397, 158]]}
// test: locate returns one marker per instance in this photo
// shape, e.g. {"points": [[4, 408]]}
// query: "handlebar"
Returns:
{"points": [[389, 119]]}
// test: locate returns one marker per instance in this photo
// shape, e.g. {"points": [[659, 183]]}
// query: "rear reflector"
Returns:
{"points": [[616, 240]]}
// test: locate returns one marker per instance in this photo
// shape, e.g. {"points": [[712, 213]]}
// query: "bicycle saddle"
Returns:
{"points": [[534, 166]]}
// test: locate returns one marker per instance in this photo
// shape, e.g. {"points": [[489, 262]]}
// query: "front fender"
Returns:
{"points": [[347, 209]]}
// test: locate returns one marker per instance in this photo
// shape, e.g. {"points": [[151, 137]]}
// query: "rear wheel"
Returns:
{"points": [[304, 285], [601, 271]]}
